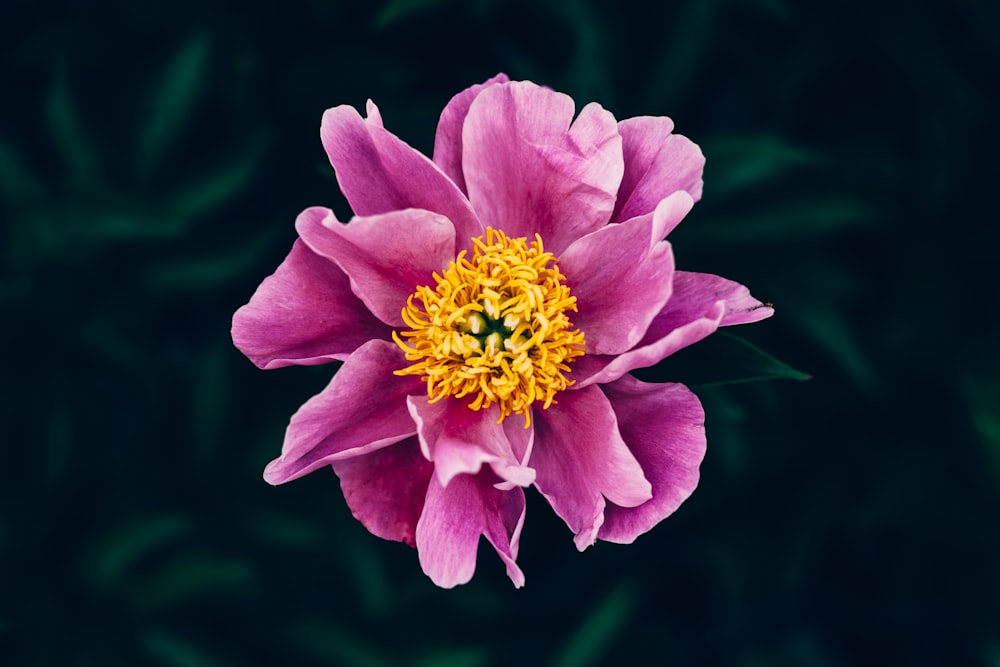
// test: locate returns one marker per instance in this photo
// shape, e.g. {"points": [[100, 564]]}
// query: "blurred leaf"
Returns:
{"points": [[201, 273], [172, 101], [753, 363], [131, 542], [983, 400], [786, 221], [167, 649], [210, 403], [71, 141], [17, 183], [472, 657], [830, 329], [287, 530], [218, 187], [59, 429], [691, 32], [369, 574], [400, 10], [192, 576], [328, 639], [600, 628], [745, 162], [727, 419], [722, 359], [72, 228]]}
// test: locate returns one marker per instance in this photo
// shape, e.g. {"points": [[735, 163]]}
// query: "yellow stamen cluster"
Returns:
{"points": [[495, 327]]}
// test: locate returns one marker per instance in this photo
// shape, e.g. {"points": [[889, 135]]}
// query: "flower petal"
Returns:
{"points": [[362, 409], [621, 276], [657, 164], [305, 314], [386, 256], [453, 519], [448, 139], [581, 459], [528, 170], [699, 305], [697, 289], [664, 426], [460, 440], [379, 173], [385, 489]]}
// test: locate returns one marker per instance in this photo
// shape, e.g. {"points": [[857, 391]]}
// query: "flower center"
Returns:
{"points": [[494, 327]]}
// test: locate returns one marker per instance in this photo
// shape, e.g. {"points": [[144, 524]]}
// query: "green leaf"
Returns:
{"points": [[400, 10], [600, 628], [173, 100], [219, 186], [470, 657], [170, 650], [118, 552], [286, 530], [722, 359], [830, 330], [783, 222], [370, 576], [983, 401], [741, 163], [681, 52], [329, 640], [71, 141], [193, 576], [201, 273], [17, 183]]}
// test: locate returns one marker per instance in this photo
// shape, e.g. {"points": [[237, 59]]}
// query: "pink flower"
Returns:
{"points": [[488, 306]]}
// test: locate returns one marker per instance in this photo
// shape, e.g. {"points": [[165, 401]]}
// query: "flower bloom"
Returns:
{"points": [[488, 305]]}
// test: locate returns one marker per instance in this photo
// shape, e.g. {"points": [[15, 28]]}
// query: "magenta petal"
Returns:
{"points": [[379, 173], [385, 489], [657, 164], [664, 426], [699, 305], [305, 314], [697, 289], [621, 276], [460, 440], [581, 459], [528, 170], [662, 339], [448, 140], [386, 256], [362, 409], [453, 519]]}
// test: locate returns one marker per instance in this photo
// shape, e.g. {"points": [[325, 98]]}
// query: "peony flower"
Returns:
{"points": [[488, 305]]}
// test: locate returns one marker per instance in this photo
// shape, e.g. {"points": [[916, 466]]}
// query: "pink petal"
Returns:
{"points": [[448, 140], [657, 164], [385, 489], [453, 519], [664, 426], [528, 170], [659, 343], [460, 440], [699, 305], [521, 440], [697, 289], [581, 459], [303, 314], [621, 276], [379, 173], [386, 256], [362, 409]]}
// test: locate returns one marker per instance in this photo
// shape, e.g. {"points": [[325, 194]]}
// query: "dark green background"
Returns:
{"points": [[152, 161]]}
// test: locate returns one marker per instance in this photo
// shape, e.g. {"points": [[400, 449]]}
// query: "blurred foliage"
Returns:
{"points": [[152, 161]]}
